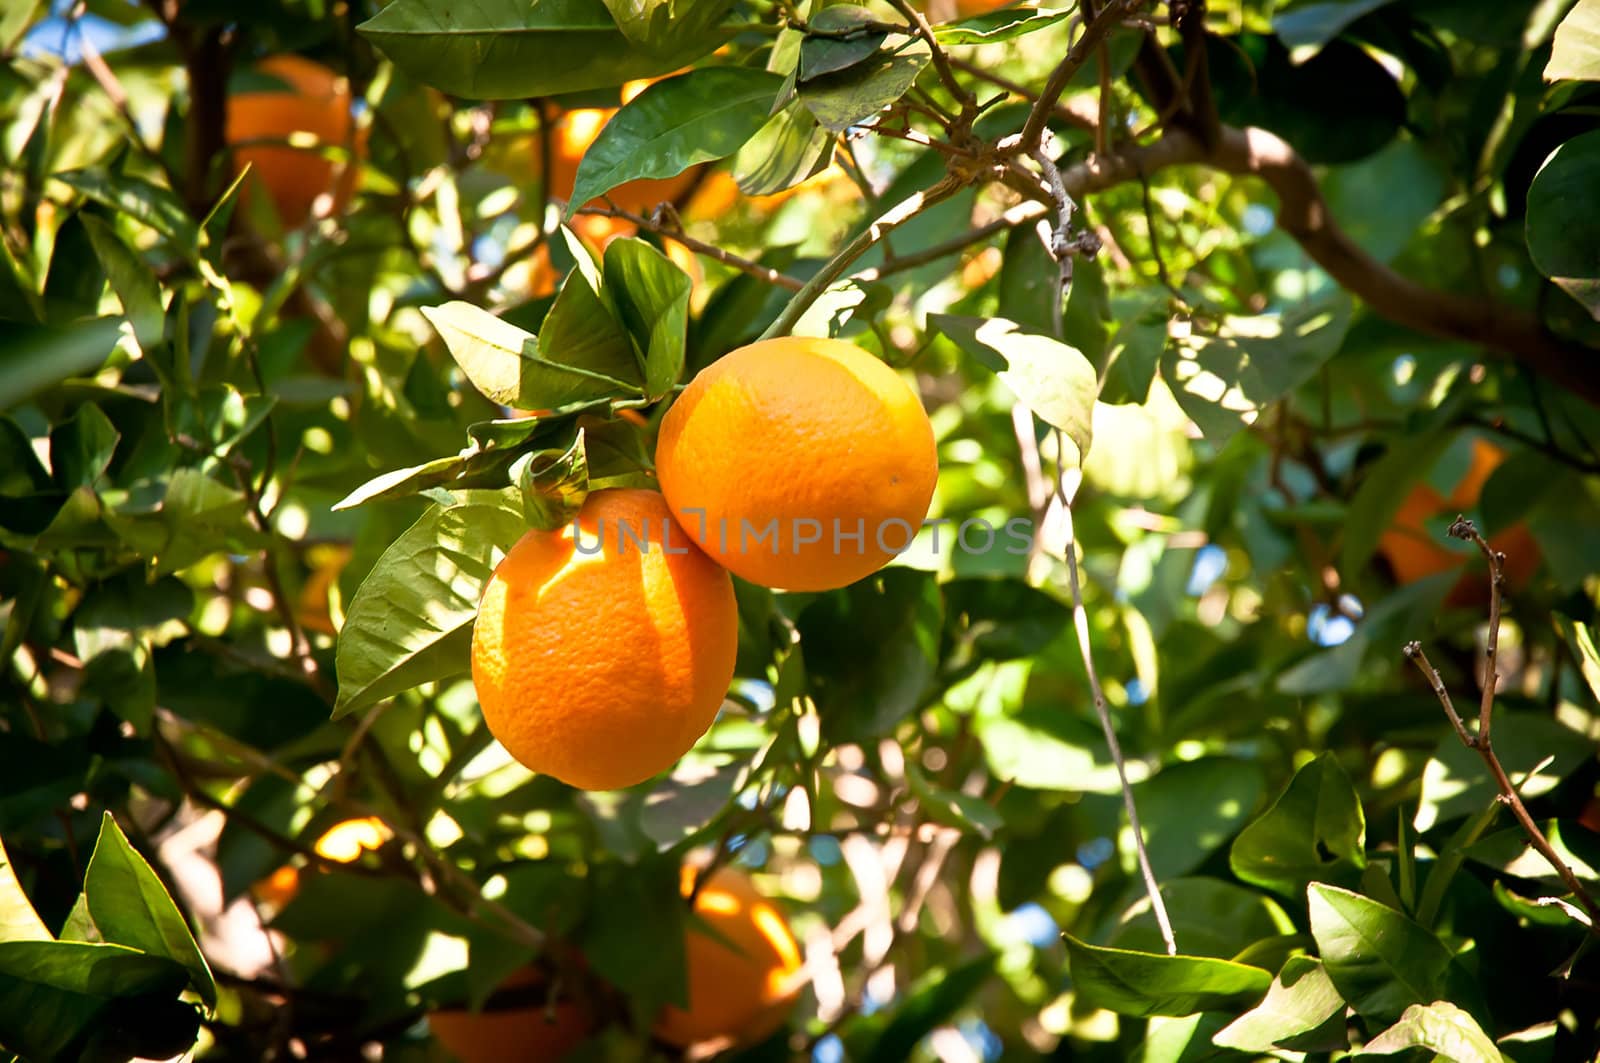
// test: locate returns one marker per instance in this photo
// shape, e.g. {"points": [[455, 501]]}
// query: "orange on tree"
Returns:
{"points": [[603, 649], [343, 843], [744, 975], [778, 454], [1415, 551], [314, 104], [517, 1024]]}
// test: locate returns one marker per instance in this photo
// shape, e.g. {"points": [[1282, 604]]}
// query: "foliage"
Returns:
{"points": [[254, 473]]}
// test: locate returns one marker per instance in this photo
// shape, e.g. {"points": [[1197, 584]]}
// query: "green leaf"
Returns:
{"points": [[788, 149], [1303, 1012], [585, 327], [1314, 831], [1225, 381], [37, 357], [18, 920], [131, 907], [410, 622], [1209, 917], [1313, 23], [953, 808], [513, 367], [151, 205], [1191, 808], [1053, 380], [864, 695], [995, 26], [1510, 852], [845, 303], [652, 296], [1044, 748], [1381, 961], [1580, 638], [851, 96], [1575, 53], [1030, 281], [180, 521], [1144, 983], [508, 49], [81, 449], [553, 484], [1441, 1028], [1380, 493], [666, 25], [132, 280], [635, 939], [1563, 231], [931, 1002], [54, 992], [476, 468], [113, 631], [840, 39], [1456, 783], [697, 117]]}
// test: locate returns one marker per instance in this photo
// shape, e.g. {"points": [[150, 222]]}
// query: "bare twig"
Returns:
{"points": [[1482, 742], [1094, 31], [700, 247], [941, 62]]}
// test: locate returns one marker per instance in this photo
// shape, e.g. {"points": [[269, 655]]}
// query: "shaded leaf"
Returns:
{"points": [[931, 1002], [1563, 228], [788, 149], [1456, 783], [36, 357], [1303, 1011], [1440, 1027], [840, 39], [1314, 831], [1144, 984], [652, 297], [851, 96], [1381, 961]]}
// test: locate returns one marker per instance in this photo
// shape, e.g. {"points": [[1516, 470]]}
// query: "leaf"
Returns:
{"points": [[1575, 52], [863, 695], [1053, 380], [1381, 961], [584, 327], [851, 96], [1143, 984], [839, 40], [635, 939], [1313, 23], [512, 367], [1377, 500], [476, 468], [1314, 831], [697, 117], [931, 1002], [995, 26], [1563, 232], [652, 297], [410, 621], [1455, 782], [1192, 808], [666, 25], [131, 907], [113, 630], [18, 920], [1209, 917], [132, 280], [1225, 381], [787, 150], [151, 205], [1045, 749], [507, 49], [1303, 1011], [1581, 640], [1442, 1028], [81, 448], [553, 484], [37, 357], [54, 992], [1030, 281], [1510, 852], [963, 811], [843, 303]]}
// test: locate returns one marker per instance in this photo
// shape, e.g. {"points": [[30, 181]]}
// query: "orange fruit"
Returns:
{"points": [[743, 992], [313, 611], [602, 650], [798, 463], [344, 842], [512, 1028], [1415, 551], [259, 125]]}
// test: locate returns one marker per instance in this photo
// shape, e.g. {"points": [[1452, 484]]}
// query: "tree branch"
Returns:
{"points": [[1094, 31]]}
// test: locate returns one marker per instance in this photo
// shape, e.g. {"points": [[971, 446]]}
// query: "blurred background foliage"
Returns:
{"points": [[911, 765]]}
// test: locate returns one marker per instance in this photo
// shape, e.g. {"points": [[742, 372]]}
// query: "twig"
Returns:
{"points": [[835, 267], [1080, 623], [941, 62], [700, 247], [1481, 742], [1094, 31]]}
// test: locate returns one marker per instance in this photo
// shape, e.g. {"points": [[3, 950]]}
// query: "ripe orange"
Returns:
{"points": [[512, 1030], [343, 843], [317, 104], [1415, 551], [742, 992], [776, 455], [313, 610], [600, 660]]}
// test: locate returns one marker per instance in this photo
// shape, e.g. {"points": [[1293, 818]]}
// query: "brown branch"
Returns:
{"points": [[1482, 742], [1094, 31], [941, 62], [1189, 19]]}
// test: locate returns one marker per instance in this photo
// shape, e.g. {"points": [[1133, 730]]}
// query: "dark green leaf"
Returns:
{"points": [[667, 25], [1303, 1011], [635, 939], [149, 204], [508, 49], [53, 992], [1144, 984], [1301, 23], [132, 280], [1563, 232], [553, 484], [1456, 783], [953, 808], [81, 449], [850, 97], [1192, 808], [1510, 852], [36, 357], [1053, 380], [840, 39], [411, 620], [1381, 961], [994, 26], [1030, 281], [789, 148], [1314, 831], [652, 295], [131, 907], [931, 1002], [697, 117], [74, 281], [1209, 917]]}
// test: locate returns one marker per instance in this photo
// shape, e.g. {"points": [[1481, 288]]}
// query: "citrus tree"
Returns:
{"points": [[767, 529]]}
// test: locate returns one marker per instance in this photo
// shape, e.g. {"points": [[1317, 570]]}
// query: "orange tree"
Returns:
{"points": [[1226, 348]]}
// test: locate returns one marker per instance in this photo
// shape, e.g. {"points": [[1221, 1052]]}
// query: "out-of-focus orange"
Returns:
{"points": [[314, 611], [1414, 552], [515, 1026], [742, 982], [598, 230], [279, 132]]}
